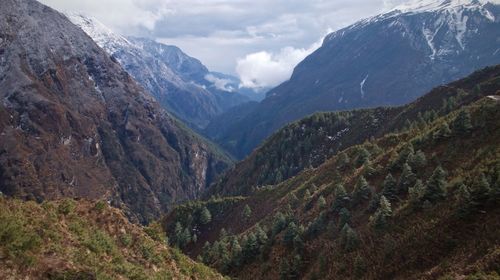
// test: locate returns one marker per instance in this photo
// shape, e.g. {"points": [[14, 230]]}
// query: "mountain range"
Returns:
{"points": [[389, 59], [180, 83]]}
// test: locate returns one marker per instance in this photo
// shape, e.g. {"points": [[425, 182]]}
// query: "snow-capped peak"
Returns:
{"points": [[418, 6], [100, 33]]}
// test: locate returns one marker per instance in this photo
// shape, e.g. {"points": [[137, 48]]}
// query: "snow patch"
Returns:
{"points": [[362, 86]]}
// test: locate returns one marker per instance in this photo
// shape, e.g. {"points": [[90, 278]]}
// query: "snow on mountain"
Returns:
{"points": [[182, 84]]}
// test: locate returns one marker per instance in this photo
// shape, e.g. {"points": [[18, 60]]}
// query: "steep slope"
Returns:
{"points": [[85, 240], [423, 204], [389, 59], [180, 83], [73, 123], [308, 143]]}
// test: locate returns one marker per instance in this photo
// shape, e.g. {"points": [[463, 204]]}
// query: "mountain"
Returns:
{"points": [[311, 141], [73, 123], [180, 83], [389, 59], [418, 201], [82, 239]]}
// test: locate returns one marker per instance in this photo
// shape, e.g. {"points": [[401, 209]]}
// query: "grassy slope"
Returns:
{"points": [[418, 244], [85, 240], [306, 144]]}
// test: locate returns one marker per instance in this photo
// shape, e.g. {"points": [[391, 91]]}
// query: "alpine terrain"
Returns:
{"points": [[389, 59]]}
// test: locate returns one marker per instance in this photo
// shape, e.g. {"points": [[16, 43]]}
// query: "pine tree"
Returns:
{"points": [[464, 200], [343, 161], [279, 223], [389, 187], [261, 235], [416, 193], [418, 160], [205, 216], [341, 198], [247, 212], [462, 123], [481, 189], [404, 154], [321, 203], [443, 131], [235, 252], [363, 156], [407, 178], [348, 238], [368, 169], [205, 255], [307, 195], [384, 212], [344, 217], [436, 185], [361, 191], [290, 233], [250, 247]]}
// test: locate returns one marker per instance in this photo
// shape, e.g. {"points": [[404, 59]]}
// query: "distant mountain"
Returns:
{"points": [[182, 84], [73, 123], [311, 141], [389, 59]]}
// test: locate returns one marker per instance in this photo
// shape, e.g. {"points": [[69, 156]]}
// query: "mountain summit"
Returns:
{"points": [[389, 59]]}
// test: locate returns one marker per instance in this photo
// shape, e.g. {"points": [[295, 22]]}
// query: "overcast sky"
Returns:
{"points": [[259, 40]]}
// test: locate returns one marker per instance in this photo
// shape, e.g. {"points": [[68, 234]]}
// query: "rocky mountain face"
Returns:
{"points": [[180, 83], [389, 59], [73, 123]]}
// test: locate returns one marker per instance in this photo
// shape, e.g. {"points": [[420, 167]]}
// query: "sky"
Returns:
{"points": [[260, 41]]}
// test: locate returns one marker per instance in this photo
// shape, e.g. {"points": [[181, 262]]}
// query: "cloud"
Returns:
{"points": [[219, 83], [264, 69], [218, 32]]}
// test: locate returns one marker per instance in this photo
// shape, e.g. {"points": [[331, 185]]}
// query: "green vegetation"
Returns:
{"points": [[83, 240]]}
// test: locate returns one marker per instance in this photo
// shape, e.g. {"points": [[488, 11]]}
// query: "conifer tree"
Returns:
{"points": [[344, 217], [348, 238], [407, 179], [205, 216], [464, 200], [343, 161], [416, 193], [321, 202], [443, 131], [384, 212], [341, 198], [290, 233], [418, 160], [481, 188], [389, 189], [247, 212], [307, 195], [462, 123], [363, 156], [436, 185], [361, 191]]}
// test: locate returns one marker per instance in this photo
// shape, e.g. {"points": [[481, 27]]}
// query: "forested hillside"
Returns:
{"points": [[417, 203]]}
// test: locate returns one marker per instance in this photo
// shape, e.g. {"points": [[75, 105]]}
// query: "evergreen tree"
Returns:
{"points": [[307, 195], [416, 193], [343, 161], [481, 189], [235, 252], [341, 198], [368, 169], [349, 239], [261, 235], [443, 131], [290, 233], [384, 212], [462, 123], [344, 217], [205, 216], [374, 203], [436, 185], [363, 156], [407, 178], [205, 255], [361, 191], [247, 212], [404, 154], [464, 200], [389, 187], [250, 247], [279, 223], [418, 160], [321, 202]]}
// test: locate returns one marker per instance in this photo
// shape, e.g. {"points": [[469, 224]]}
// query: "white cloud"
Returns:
{"points": [[265, 69], [221, 84]]}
